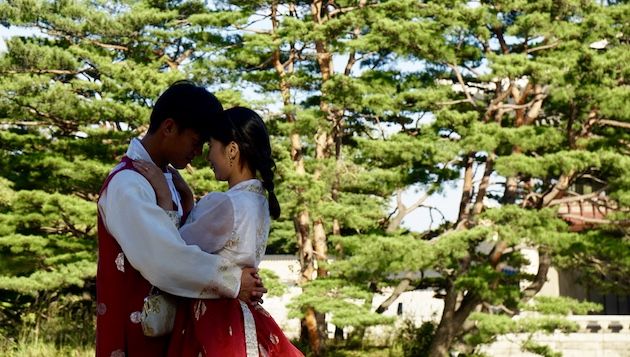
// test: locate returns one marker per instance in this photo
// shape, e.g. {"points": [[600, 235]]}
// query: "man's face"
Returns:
{"points": [[184, 146]]}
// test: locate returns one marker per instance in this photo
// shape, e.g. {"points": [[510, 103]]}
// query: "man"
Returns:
{"points": [[140, 247]]}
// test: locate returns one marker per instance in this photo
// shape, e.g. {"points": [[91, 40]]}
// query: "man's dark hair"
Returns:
{"points": [[189, 105]]}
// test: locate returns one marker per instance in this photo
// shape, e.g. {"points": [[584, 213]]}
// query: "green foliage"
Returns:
{"points": [[545, 314], [599, 258], [59, 324], [379, 258], [540, 349], [349, 305], [416, 341], [560, 305], [272, 282]]}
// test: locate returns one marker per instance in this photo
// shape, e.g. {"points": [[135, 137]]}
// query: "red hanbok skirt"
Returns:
{"points": [[227, 327]]}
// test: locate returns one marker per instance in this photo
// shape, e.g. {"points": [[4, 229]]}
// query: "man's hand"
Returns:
{"points": [[252, 288]]}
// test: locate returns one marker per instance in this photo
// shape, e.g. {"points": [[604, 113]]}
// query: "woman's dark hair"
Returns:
{"points": [[247, 129], [189, 105]]}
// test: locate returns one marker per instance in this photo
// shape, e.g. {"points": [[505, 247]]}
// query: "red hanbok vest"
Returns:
{"points": [[120, 293]]}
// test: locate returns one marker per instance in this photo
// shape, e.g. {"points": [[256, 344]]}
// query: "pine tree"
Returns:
{"points": [[329, 188], [71, 97], [518, 92]]}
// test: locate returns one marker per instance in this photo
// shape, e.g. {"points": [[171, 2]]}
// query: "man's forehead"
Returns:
{"points": [[192, 133]]}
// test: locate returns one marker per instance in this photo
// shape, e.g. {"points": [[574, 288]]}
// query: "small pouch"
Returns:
{"points": [[158, 313]]}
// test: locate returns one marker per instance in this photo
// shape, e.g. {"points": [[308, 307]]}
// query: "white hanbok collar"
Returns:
{"points": [[251, 185], [136, 151]]}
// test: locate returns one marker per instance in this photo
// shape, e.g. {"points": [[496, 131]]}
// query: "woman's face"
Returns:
{"points": [[218, 159]]}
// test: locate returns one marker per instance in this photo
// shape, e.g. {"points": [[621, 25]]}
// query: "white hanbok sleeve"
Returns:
{"points": [[153, 246], [212, 223]]}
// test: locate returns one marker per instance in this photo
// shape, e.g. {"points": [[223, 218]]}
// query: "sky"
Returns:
{"points": [[8, 32]]}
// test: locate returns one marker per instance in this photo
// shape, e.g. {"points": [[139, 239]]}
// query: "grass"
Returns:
{"points": [[41, 349], [60, 327]]}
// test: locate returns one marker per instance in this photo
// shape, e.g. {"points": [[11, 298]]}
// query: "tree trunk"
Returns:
{"points": [[315, 321], [544, 262], [483, 186], [464, 205], [305, 244], [321, 250], [509, 194], [310, 248], [313, 332], [444, 334], [452, 321]]}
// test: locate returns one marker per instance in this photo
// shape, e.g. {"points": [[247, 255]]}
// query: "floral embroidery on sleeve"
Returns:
{"points": [[232, 242], [120, 262], [200, 309], [118, 353]]}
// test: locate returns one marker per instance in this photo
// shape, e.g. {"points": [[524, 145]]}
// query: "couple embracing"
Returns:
{"points": [[154, 237]]}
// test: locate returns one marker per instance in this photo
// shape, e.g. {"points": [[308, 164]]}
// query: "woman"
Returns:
{"points": [[233, 224]]}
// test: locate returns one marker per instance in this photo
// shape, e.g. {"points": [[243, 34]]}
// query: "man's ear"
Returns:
{"points": [[169, 127]]}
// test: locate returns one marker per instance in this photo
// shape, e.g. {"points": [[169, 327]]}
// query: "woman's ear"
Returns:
{"points": [[233, 150]]}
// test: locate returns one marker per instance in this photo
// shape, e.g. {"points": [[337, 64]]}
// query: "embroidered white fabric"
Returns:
{"points": [[233, 224], [251, 341], [173, 216]]}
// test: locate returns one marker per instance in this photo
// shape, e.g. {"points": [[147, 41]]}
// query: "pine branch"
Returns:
{"points": [[45, 71], [498, 32], [563, 183], [342, 10], [495, 103], [403, 210], [590, 121], [174, 64], [460, 79], [109, 45], [519, 99], [615, 123], [483, 186], [543, 47], [25, 123], [452, 102], [540, 93], [400, 288], [78, 36], [247, 26], [431, 209], [65, 125], [352, 57], [472, 70], [501, 307]]}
